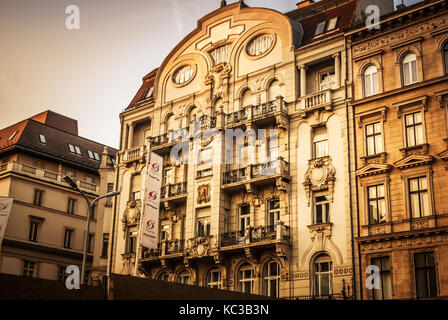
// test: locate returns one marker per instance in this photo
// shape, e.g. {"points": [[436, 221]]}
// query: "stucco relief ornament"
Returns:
{"points": [[203, 193], [217, 74], [199, 246], [320, 175], [131, 214]]}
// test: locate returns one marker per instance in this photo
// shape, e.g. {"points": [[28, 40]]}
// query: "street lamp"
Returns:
{"points": [[89, 213]]}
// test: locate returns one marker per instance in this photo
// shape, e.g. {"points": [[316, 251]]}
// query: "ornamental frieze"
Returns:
{"points": [[320, 175], [131, 214], [408, 33]]}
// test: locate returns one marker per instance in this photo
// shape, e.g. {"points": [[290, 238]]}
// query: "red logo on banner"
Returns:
{"points": [[152, 195], [150, 224], [155, 167]]}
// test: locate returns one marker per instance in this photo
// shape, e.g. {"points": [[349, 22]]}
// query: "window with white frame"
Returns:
{"points": [[42, 138], [271, 279], [168, 176], [214, 279], [203, 226], [219, 54], [374, 138], [185, 278], [414, 129], [246, 279], [28, 268], [320, 142], [371, 81], [409, 69], [418, 197], [132, 241], [376, 202], [164, 232], [327, 80], [323, 276], [321, 208], [273, 212], [244, 217]]}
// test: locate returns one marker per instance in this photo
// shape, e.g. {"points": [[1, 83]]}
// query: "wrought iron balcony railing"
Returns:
{"points": [[174, 246], [236, 116], [173, 190], [262, 233], [264, 109], [207, 122], [232, 238], [173, 136], [236, 175]]}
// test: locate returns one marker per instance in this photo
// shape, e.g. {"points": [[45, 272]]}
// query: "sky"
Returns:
{"points": [[91, 74]]}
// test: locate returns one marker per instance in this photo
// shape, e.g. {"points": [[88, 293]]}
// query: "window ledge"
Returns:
{"points": [[374, 158], [418, 149]]}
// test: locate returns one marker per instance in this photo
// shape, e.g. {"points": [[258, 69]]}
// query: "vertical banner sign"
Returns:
{"points": [[150, 226], [5, 209]]}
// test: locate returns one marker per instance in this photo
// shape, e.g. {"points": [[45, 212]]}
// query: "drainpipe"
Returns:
{"points": [[349, 166]]}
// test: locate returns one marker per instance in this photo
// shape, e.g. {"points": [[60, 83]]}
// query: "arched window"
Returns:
{"points": [[371, 81], [274, 90], [445, 56], [246, 99], [170, 124], [323, 276], [184, 277], [164, 277], [246, 279], [214, 279], [409, 65], [271, 279]]}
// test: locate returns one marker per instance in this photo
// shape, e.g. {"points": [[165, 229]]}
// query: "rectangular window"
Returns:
{"points": [[34, 227], [425, 275], [274, 212], [377, 204], [38, 195], [110, 188], [332, 23], [385, 289], [414, 129], [89, 179], [327, 80], [71, 148], [374, 140], [244, 218], [62, 276], [203, 226], [321, 209], [167, 176], [320, 142], [96, 155], [28, 268], [165, 232], [132, 241], [77, 150], [71, 206], [320, 28], [92, 212], [418, 197], [105, 245], [68, 238], [42, 139]]}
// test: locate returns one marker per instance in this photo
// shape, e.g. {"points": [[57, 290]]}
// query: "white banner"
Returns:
{"points": [[150, 223], [5, 209]]}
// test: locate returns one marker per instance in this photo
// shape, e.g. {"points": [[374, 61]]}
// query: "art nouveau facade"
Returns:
{"points": [[399, 106], [277, 223]]}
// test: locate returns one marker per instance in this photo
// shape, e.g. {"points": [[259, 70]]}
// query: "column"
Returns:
{"points": [[131, 136], [303, 80], [337, 69]]}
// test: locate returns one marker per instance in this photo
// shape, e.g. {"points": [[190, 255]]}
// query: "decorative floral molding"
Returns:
{"points": [[320, 175]]}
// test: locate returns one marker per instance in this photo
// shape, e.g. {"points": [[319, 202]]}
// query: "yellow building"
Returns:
{"points": [[278, 227], [400, 118], [47, 225]]}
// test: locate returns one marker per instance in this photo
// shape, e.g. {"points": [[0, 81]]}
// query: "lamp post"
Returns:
{"points": [[89, 213]]}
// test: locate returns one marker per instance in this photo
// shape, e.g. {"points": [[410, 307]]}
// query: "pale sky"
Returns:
{"points": [[90, 74]]}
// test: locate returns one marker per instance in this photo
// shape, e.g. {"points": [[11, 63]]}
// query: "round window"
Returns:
{"points": [[259, 45], [183, 74]]}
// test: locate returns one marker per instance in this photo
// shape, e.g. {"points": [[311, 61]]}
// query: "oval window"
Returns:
{"points": [[183, 74], [259, 45]]}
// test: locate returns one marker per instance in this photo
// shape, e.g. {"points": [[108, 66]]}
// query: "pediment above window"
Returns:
{"points": [[414, 160], [373, 168]]}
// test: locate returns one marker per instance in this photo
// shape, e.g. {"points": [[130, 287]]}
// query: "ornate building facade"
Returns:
{"points": [[400, 119], [279, 222]]}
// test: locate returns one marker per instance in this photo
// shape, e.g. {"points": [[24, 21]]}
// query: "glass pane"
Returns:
{"points": [[409, 119], [273, 292], [432, 282], [369, 129], [372, 192], [419, 135], [420, 261], [382, 210], [372, 212], [325, 285], [425, 204], [410, 139], [370, 145], [319, 213], [414, 71], [421, 284], [413, 185], [406, 75], [415, 207], [380, 189], [374, 83], [423, 184], [368, 85], [378, 144], [387, 285]]}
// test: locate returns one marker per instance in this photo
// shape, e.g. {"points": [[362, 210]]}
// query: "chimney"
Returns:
{"points": [[304, 3]]}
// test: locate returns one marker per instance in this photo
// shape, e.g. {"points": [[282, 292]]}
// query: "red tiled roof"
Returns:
{"points": [[310, 16], [148, 82]]}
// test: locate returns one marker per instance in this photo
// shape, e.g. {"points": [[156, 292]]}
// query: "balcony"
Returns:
{"points": [[256, 236], [315, 101], [260, 173], [167, 140], [135, 154], [174, 191], [236, 117], [207, 122], [45, 175], [264, 109]]}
